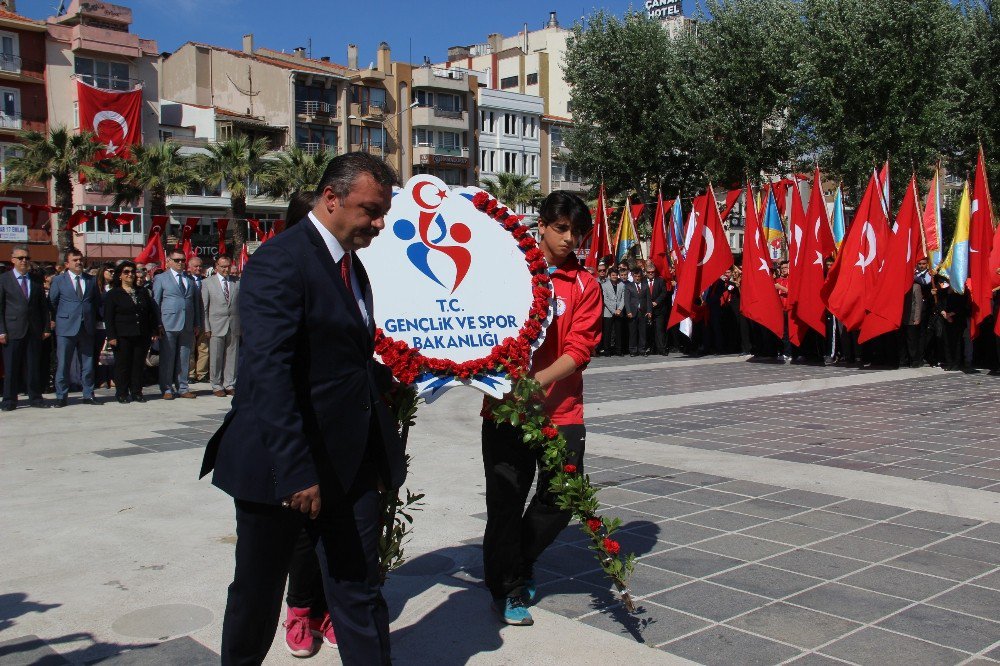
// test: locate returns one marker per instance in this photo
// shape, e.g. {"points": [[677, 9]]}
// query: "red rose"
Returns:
{"points": [[611, 546], [550, 432], [570, 469], [594, 524], [480, 199]]}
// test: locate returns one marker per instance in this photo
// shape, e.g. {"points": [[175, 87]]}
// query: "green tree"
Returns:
{"points": [[235, 163], [513, 189], [878, 79], [59, 156], [158, 168], [292, 171]]}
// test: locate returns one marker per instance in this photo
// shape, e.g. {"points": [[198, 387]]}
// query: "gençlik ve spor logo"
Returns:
{"points": [[431, 223]]}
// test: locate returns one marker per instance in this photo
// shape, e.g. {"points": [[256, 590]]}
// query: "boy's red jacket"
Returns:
{"points": [[576, 330]]}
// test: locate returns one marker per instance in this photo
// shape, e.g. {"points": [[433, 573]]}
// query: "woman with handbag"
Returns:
{"points": [[131, 319]]}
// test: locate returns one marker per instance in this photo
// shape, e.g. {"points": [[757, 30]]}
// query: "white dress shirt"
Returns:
{"points": [[337, 252], [74, 278], [178, 278]]}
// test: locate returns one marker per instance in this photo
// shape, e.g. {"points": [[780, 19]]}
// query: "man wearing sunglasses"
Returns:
{"points": [[24, 323], [176, 296]]}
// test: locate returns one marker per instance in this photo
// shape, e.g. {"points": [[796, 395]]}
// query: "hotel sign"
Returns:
{"points": [[663, 9]]}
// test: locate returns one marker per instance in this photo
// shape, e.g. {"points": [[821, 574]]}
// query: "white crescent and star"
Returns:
{"points": [[114, 117], [709, 245], [869, 232]]}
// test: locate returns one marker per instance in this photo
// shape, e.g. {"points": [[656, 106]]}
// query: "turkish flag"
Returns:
{"points": [[852, 281], [255, 225], [708, 257], [732, 196], [895, 279], [599, 238], [796, 236], [980, 245], [637, 210], [244, 257], [808, 308], [658, 240], [759, 299], [115, 117], [186, 231], [154, 250], [222, 224]]}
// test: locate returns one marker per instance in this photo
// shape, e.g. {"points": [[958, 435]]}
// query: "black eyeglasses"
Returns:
{"points": [[127, 271], [24, 258], [176, 258]]}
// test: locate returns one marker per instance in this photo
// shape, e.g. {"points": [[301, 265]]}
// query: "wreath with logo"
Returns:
{"points": [[522, 408]]}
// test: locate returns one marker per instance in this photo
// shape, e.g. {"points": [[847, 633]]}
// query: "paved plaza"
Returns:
{"points": [[781, 514]]}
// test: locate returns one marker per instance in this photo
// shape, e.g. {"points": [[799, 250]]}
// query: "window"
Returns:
{"points": [[7, 151], [509, 161], [531, 79], [423, 98], [315, 98], [423, 137], [534, 166], [530, 127], [368, 98], [103, 74], [508, 82], [368, 137], [510, 124], [447, 102], [200, 189], [556, 136], [449, 140], [103, 225], [11, 215], [524, 163], [487, 122], [10, 108], [10, 60], [315, 138]]}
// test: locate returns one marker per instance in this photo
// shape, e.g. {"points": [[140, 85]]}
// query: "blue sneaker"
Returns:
{"points": [[530, 591], [512, 611]]}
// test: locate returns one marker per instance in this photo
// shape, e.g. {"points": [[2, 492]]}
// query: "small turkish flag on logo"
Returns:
{"points": [[113, 116]]}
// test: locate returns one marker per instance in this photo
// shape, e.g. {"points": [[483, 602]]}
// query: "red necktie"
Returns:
{"points": [[345, 272]]}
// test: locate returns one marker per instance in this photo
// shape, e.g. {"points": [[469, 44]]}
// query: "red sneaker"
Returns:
{"points": [[324, 627], [298, 637]]}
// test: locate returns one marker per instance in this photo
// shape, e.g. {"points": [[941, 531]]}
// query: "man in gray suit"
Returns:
{"points": [[24, 323], [176, 296], [222, 321], [74, 297]]}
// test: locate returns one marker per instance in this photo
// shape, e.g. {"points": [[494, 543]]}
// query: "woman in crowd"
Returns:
{"points": [[131, 320], [102, 373]]}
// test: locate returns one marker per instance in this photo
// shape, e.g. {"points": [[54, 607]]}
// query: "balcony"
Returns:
{"points": [[15, 68], [373, 147], [10, 121], [317, 148], [568, 185], [110, 82], [432, 116], [373, 110], [442, 79], [315, 109]]}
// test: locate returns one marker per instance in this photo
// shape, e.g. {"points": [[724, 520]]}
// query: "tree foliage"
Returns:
{"points": [[158, 168], [513, 189], [235, 163], [293, 170]]}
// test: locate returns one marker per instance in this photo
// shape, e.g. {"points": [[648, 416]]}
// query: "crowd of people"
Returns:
{"points": [[933, 330], [66, 328]]}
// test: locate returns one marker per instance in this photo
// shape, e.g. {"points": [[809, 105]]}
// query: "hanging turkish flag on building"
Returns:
{"points": [[895, 279], [115, 117], [852, 281], [708, 257], [980, 245], [154, 251], [759, 299]]}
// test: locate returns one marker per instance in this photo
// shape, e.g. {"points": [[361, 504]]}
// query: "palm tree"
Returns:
{"points": [[59, 156], [294, 170], [234, 162], [157, 167], [513, 189]]}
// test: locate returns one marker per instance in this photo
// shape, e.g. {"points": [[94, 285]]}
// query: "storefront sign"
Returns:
{"points": [[13, 233]]}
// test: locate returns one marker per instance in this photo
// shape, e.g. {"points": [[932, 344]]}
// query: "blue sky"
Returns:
{"points": [[410, 26]]}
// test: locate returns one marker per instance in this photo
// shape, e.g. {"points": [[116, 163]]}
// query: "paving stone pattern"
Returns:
{"points": [[943, 429], [736, 572], [189, 435]]}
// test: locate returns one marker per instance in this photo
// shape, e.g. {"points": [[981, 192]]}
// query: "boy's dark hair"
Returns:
{"points": [[299, 205], [561, 204]]}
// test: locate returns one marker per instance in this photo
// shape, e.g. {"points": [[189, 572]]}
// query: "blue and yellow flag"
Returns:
{"points": [[626, 237], [774, 232], [956, 264], [837, 218]]}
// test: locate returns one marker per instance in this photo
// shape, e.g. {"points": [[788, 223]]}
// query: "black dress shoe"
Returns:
{"points": [[123, 399], [8, 407], [138, 398], [37, 402], [90, 401], [60, 402]]}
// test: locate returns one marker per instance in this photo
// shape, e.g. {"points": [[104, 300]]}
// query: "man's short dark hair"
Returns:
{"points": [[72, 252], [561, 204], [343, 171], [220, 257], [299, 205]]}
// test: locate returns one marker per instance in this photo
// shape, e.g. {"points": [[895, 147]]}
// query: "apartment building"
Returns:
{"points": [[510, 130], [22, 107]]}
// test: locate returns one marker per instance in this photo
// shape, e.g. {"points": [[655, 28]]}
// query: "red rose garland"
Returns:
{"points": [[513, 354]]}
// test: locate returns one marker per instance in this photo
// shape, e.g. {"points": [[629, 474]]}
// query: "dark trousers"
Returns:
{"points": [[346, 538], [516, 537], [130, 363], [609, 335], [20, 358], [637, 333], [660, 331], [305, 579], [916, 337]]}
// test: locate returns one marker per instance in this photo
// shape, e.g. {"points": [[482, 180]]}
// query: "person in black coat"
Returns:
{"points": [[131, 320], [24, 324], [659, 310], [953, 309], [637, 303]]}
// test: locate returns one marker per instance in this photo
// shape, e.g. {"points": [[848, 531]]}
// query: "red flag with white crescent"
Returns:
{"points": [[115, 117], [154, 251], [222, 224]]}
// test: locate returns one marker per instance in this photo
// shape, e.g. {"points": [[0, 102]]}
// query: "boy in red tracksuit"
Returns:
{"points": [[516, 537]]}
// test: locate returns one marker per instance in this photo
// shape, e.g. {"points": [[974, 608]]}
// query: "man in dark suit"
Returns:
{"points": [[74, 297], [24, 323], [637, 304], [309, 440], [659, 309]]}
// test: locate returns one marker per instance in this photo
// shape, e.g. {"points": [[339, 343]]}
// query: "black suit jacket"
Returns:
{"points": [[637, 297], [659, 296], [19, 317], [308, 394], [122, 316]]}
